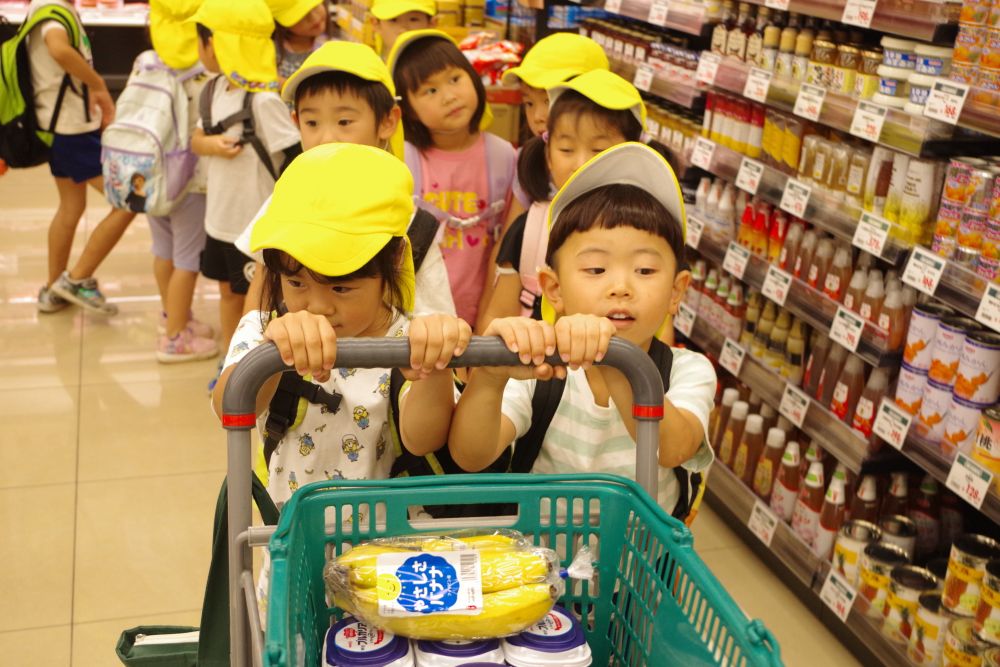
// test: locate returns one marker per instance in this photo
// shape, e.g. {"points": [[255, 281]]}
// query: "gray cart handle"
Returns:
{"points": [[239, 417]]}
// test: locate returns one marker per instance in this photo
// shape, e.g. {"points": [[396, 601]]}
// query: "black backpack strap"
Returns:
{"points": [[249, 135], [544, 403], [205, 106], [284, 407], [63, 87], [421, 233]]}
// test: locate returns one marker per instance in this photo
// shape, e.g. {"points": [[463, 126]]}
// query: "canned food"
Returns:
{"points": [[948, 218], [877, 561], [947, 353], [901, 531], [961, 646], [958, 179], [959, 428], [930, 628], [934, 406], [966, 567], [971, 229], [987, 623], [910, 388], [978, 377], [969, 44], [906, 584], [852, 539], [986, 450], [963, 73], [920, 337], [987, 85]]}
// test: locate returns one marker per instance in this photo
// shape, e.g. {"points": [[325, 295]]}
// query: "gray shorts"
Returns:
{"points": [[180, 237]]}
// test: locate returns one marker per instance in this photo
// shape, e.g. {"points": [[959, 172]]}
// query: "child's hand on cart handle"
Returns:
{"points": [[434, 340], [581, 340], [306, 341]]}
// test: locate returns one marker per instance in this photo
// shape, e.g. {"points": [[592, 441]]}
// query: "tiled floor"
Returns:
{"points": [[112, 464]]}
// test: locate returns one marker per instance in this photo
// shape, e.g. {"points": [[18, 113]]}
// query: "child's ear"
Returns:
{"points": [[295, 117], [681, 282], [548, 280], [389, 124]]}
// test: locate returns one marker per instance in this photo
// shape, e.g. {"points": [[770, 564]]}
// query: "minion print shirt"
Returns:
{"points": [[352, 443]]}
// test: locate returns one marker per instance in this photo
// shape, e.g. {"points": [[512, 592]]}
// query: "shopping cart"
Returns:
{"points": [[653, 602]]}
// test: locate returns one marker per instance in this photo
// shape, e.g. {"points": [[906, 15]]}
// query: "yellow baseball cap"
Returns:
{"points": [[605, 89], [384, 10], [174, 38], [555, 59], [336, 207], [241, 36], [290, 12]]}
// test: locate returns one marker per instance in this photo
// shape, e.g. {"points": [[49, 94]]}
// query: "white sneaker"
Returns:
{"points": [[50, 302], [83, 293]]}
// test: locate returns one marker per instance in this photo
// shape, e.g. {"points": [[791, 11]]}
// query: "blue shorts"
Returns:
{"points": [[76, 156]]}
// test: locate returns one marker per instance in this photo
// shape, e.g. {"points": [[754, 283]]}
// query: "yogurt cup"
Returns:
{"points": [[920, 88], [456, 653], [555, 641], [353, 643], [899, 52], [887, 101], [933, 60], [893, 81]]}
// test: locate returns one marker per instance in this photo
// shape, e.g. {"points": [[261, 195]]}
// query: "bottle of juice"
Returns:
{"points": [[733, 433], [768, 463], [831, 373], [712, 201], [774, 357], [786, 487], [871, 304], [892, 318], [706, 305], [926, 513], [792, 369], [790, 248], [692, 296], [856, 290], [750, 321], [751, 445], [805, 517], [729, 398], [864, 505], [777, 231], [848, 389], [820, 264], [831, 518], [764, 325], [839, 275], [735, 311], [805, 255], [898, 500], [701, 194], [758, 243], [864, 413], [818, 352], [769, 415]]}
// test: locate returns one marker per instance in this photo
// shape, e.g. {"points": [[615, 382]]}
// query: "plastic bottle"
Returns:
{"points": [[818, 352], [712, 201], [726, 212], [768, 463], [786, 487], [759, 240], [831, 373], [864, 505], [820, 264], [786, 51], [720, 34], [790, 248], [909, 301], [769, 52], [774, 356], [812, 455], [701, 195], [733, 433], [926, 513], [776, 233], [735, 310], [793, 367], [736, 42], [856, 290], [769, 415], [864, 413], [897, 501], [720, 297], [755, 42], [755, 402], [753, 309], [804, 257], [839, 275], [692, 297], [871, 304], [758, 346], [892, 318], [729, 398], [848, 389], [751, 445], [831, 517], [805, 517], [745, 229]]}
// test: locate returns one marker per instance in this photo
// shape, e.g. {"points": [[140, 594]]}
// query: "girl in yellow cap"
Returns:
{"points": [[300, 28]]}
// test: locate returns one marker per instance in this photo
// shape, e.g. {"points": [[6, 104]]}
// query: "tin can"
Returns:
{"points": [[901, 531], [980, 189], [966, 568], [906, 584], [961, 646], [986, 450], [877, 561], [987, 623], [934, 407], [947, 352], [852, 539], [910, 388], [960, 428], [930, 627], [988, 263], [978, 377], [920, 337]]}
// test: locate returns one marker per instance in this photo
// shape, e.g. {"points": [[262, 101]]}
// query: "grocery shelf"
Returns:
{"points": [[902, 131], [960, 288], [823, 211], [127, 16], [662, 85], [814, 308], [923, 20], [820, 424], [980, 116], [683, 15], [731, 499]]}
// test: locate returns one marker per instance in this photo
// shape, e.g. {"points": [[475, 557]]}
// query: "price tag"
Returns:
{"points": [[701, 154], [846, 328], [613, 6], [969, 480], [923, 270], [809, 103], [780, 5], [946, 101], [763, 522], [794, 405], [708, 67], [776, 285], [871, 234], [892, 423], [644, 75], [757, 85], [989, 308], [838, 595], [731, 357], [868, 120], [695, 227], [658, 13], [749, 175], [859, 13], [736, 260], [684, 322], [795, 198]]}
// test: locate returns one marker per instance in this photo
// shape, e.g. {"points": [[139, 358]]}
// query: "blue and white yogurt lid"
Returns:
{"points": [[353, 643]]}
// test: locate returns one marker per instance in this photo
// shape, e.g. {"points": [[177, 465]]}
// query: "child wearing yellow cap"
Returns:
{"points": [[614, 267], [394, 17], [464, 173], [242, 159], [301, 25]]}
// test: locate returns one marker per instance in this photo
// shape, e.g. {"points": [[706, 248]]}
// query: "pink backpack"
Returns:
{"points": [[533, 247]]}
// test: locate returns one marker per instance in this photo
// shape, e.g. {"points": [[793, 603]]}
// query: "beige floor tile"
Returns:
{"points": [[711, 533], [41, 647], [37, 556], [29, 187], [38, 350], [94, 643], [143, 545], [139, 429], [41, 426]]}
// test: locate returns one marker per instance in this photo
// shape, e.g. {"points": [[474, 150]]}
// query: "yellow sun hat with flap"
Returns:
{"points": [[556, 59], [385, 10], [241, 37], [290, 12], [605, 89], [174, 38]]}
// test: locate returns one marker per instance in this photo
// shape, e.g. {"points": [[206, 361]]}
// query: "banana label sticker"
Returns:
{"points": [[414, 584]]}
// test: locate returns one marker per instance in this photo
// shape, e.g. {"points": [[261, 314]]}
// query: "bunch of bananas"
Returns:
{"points": [[520, 584]]}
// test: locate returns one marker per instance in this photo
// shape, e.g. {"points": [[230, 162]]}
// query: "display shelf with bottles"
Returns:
{"points": [[686, 16], [658, 83]]}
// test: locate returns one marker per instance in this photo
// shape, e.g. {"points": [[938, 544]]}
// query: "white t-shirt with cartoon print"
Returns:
{"points": [[352, 443]]}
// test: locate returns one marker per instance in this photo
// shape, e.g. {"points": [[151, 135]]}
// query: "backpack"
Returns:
{"points": [[22, 142], [500, 172], [149, 139], [533, 246]]}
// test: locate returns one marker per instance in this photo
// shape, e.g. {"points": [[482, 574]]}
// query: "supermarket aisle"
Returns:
{"points": [[112, 463]]}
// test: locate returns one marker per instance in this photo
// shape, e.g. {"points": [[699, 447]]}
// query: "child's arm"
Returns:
{"points": [[72, 61], [505, 301], [214, 145]]}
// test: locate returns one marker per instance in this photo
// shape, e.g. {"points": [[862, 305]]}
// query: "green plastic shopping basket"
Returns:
{"points": [[653, 602]]}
